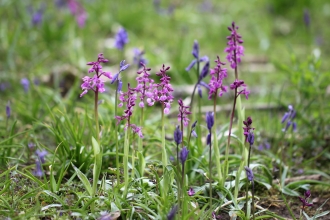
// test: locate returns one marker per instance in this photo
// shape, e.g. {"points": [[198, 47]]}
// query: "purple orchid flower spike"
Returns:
{"points": [[95, 83], [78, 11], [218, 74], [234, 48], [304, 200]]}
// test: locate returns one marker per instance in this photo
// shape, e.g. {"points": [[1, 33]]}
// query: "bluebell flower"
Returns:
{"points": [[177, 135], [288, 117], [138, 57], [210, 120], [26, 84], [38, 171], [172, 213], [249, 174], [8, 110], [183, 155], [121, 39], [41, 154]]}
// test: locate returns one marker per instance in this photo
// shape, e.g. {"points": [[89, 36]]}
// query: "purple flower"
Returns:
{"points": [[95, 83], [177, 135], [307, 18], [248, 130], [250, 138], [195, 53], [36, 18], [60, 3], [208, 139], [106, 216], [191, 192], [8, 110], [116, 78], [129, 98], [210, 120], [78, 11], [41, 154], [38, 171], [193, 132], [138, 58], [249, 174], [121, 39], [31, 145], [234, 50], [4, 86], [217, 76], [264, 145], [172, 213], [240, 83], [183, 113], [183, 155], [288, 118], [162, 92], [304, 200], [26, 84], [145, 86]]}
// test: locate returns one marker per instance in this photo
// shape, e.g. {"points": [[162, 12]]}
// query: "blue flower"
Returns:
{"points": [[121, 39]]}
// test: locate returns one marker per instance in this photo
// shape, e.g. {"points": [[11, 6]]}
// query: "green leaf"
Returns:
{"points": [[96, 146], [55, 197], [83, 179]]}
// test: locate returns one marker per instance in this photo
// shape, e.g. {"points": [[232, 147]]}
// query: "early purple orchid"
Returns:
{"points": [[95, 83]]}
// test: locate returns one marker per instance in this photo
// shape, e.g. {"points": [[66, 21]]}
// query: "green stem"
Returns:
{"points": [[210, 170], [126, 153], [229, 135], [96, 115], [116, 136], [164, 154], [215, 141]]}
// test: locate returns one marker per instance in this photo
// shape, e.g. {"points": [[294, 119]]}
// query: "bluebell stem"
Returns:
{"points": [[116, 79], [121, 39], [172, 213], [250, 177], [8, 110], [210, 123]]}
